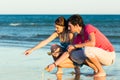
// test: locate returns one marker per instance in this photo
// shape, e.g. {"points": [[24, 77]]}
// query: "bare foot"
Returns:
{"points": [[100, 74]]}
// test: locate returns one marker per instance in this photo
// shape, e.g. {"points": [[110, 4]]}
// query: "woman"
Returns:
{"points": [[65, 39]]}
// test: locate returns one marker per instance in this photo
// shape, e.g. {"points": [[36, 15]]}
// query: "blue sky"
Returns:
{"points": [[60, 6]]}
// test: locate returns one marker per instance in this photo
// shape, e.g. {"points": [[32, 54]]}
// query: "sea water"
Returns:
{"points": [[29, 30]]}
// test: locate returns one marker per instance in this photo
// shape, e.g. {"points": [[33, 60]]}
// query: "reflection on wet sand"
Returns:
{"points": [[59, 77], [77, 77], [100, 78]]}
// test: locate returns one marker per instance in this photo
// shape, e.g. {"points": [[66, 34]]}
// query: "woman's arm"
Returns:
{"points": [[42, 43]]}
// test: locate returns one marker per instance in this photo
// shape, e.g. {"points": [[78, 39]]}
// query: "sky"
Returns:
{"points": [[59, 6]]}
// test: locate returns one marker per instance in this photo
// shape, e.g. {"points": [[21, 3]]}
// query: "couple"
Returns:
{"points": [[89, 46]]}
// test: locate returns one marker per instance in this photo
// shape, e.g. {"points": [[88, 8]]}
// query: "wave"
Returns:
{"points": [[15, 24], [23, 24], [27, 24]]}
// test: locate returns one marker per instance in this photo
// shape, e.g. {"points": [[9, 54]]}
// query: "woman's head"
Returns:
{"points": [[61, 24]]}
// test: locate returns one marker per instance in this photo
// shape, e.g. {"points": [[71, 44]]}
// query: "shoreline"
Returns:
{"points": [[15, 65]]}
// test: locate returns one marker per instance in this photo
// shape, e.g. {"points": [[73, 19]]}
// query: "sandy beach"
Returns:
{"points": [[14, 65]]}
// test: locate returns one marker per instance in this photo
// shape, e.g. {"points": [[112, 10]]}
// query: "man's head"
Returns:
{"points": [[75, 23]]}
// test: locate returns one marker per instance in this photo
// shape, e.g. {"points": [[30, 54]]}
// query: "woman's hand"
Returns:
{"points": [[50, 67], [27, 52]]}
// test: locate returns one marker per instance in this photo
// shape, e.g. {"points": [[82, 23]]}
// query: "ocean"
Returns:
{"points": [[29, 30]]}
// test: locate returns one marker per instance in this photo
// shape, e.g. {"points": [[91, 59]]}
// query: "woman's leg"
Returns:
{"points": [[68, 63], [55, 52]]}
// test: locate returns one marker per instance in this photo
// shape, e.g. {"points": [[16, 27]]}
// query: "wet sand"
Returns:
{"points": [[14, 65]]}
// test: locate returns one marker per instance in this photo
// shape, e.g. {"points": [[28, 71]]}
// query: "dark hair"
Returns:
{"points": [[61, 21], [76, 19]]}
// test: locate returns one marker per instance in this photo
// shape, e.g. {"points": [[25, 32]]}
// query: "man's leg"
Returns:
{"points": [[95, 62], [98, 58], [88, 63]]}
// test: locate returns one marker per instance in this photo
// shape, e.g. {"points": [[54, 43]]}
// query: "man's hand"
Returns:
{"points": [[70, 48]]}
